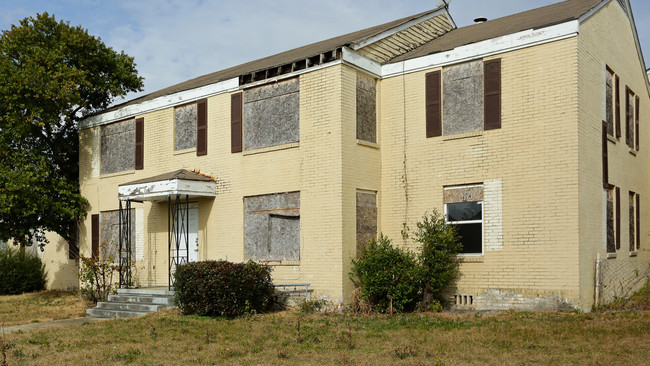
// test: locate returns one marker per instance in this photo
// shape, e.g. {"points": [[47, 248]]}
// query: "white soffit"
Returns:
{"points": [[510, 42], [159, 191]]}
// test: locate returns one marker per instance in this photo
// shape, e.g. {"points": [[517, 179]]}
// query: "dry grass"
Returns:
{"points": [[292, 338], [40, 307]]}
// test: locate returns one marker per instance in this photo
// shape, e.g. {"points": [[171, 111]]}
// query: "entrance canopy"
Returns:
{"points": [[181, 182]]}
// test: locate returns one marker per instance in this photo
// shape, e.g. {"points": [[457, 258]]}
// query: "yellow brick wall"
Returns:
{"points": [[534, 155], [313, 167], [607, 39]]}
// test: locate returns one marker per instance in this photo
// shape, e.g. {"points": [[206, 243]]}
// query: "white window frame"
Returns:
{"points": [[481, 221]]}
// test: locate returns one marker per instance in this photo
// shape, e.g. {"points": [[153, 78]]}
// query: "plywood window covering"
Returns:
{"points": [[433, 110], [139, 144], [617, 115], [202, 127], [94, 228], [609, 101], [605, 157], [236, 123], [629, 121], [492, 95], [618, 218]]}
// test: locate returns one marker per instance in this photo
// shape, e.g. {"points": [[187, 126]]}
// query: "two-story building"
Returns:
{"points": [[526, 131]]}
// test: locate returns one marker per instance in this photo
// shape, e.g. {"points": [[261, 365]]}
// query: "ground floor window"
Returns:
{"points": [[272, 227], [464, 209]]}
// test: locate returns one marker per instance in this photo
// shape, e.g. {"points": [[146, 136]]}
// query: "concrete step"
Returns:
{"points": [[145, 291], [167, 300], [130, 306], [105, 313]]}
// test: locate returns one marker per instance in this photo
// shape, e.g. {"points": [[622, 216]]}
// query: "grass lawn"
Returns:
{"points": [[40, 307], [290, 337]]}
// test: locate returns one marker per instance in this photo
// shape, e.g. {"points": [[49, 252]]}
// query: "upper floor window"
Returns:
{"points": [[612, 104], [631, 119], [271, 114], [190, 125], [464, 98], [366, 108], [122, 146]]}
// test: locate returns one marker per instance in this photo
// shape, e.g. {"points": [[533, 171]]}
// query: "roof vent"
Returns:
{"points": [[480, 20]]}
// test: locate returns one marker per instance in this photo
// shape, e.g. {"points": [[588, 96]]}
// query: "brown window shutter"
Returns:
{"points": [[94, 224], [618, 108], [638, 222], [618, 218], [605, 159], [202, 127], [433, 110], [636, 123], [628, 131], [236, 123], [139, 144], [492, 102]]}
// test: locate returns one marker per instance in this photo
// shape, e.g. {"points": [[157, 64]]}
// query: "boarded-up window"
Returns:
{"points": [[109, 234], [462, 107], [185, 118], [629, 117], [272, 227], [611, 238], [609, 102], [272, 115], [366, 108], [464, 208], [366, 218], [633, 221], [118, 147]]}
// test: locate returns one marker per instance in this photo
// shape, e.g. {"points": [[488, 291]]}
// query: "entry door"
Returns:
{"points": [[193, 231]]}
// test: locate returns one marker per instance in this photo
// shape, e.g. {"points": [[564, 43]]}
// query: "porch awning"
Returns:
{"points": [[181, 182]]}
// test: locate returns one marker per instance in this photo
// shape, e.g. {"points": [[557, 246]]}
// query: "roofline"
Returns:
{"points": [[489, 47], [387, 33], [510, 42]]}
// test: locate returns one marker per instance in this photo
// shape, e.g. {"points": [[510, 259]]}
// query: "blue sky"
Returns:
{"points": [[175, 40]]}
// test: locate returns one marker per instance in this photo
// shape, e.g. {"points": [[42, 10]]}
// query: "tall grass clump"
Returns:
{"points": [[20, 271]]}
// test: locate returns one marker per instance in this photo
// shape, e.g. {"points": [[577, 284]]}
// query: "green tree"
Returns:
{"points": [[440, 245], [51, 76]]}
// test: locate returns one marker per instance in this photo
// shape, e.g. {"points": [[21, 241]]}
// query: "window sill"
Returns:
{"points": [[611, 255], [111, 175], [634, 253], [633, 151], [612, 139], [185, 151], [280, 263], [368, 144], [272, 148], [470, 258], [462, 135]]}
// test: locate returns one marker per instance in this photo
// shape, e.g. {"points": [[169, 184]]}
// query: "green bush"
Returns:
{"points": [[221, 288], [20, 271], [387, 277], [439, 249]]}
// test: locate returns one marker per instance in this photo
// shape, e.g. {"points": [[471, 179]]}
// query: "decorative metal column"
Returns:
{"points": [[124, 254], [178, 224]]}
